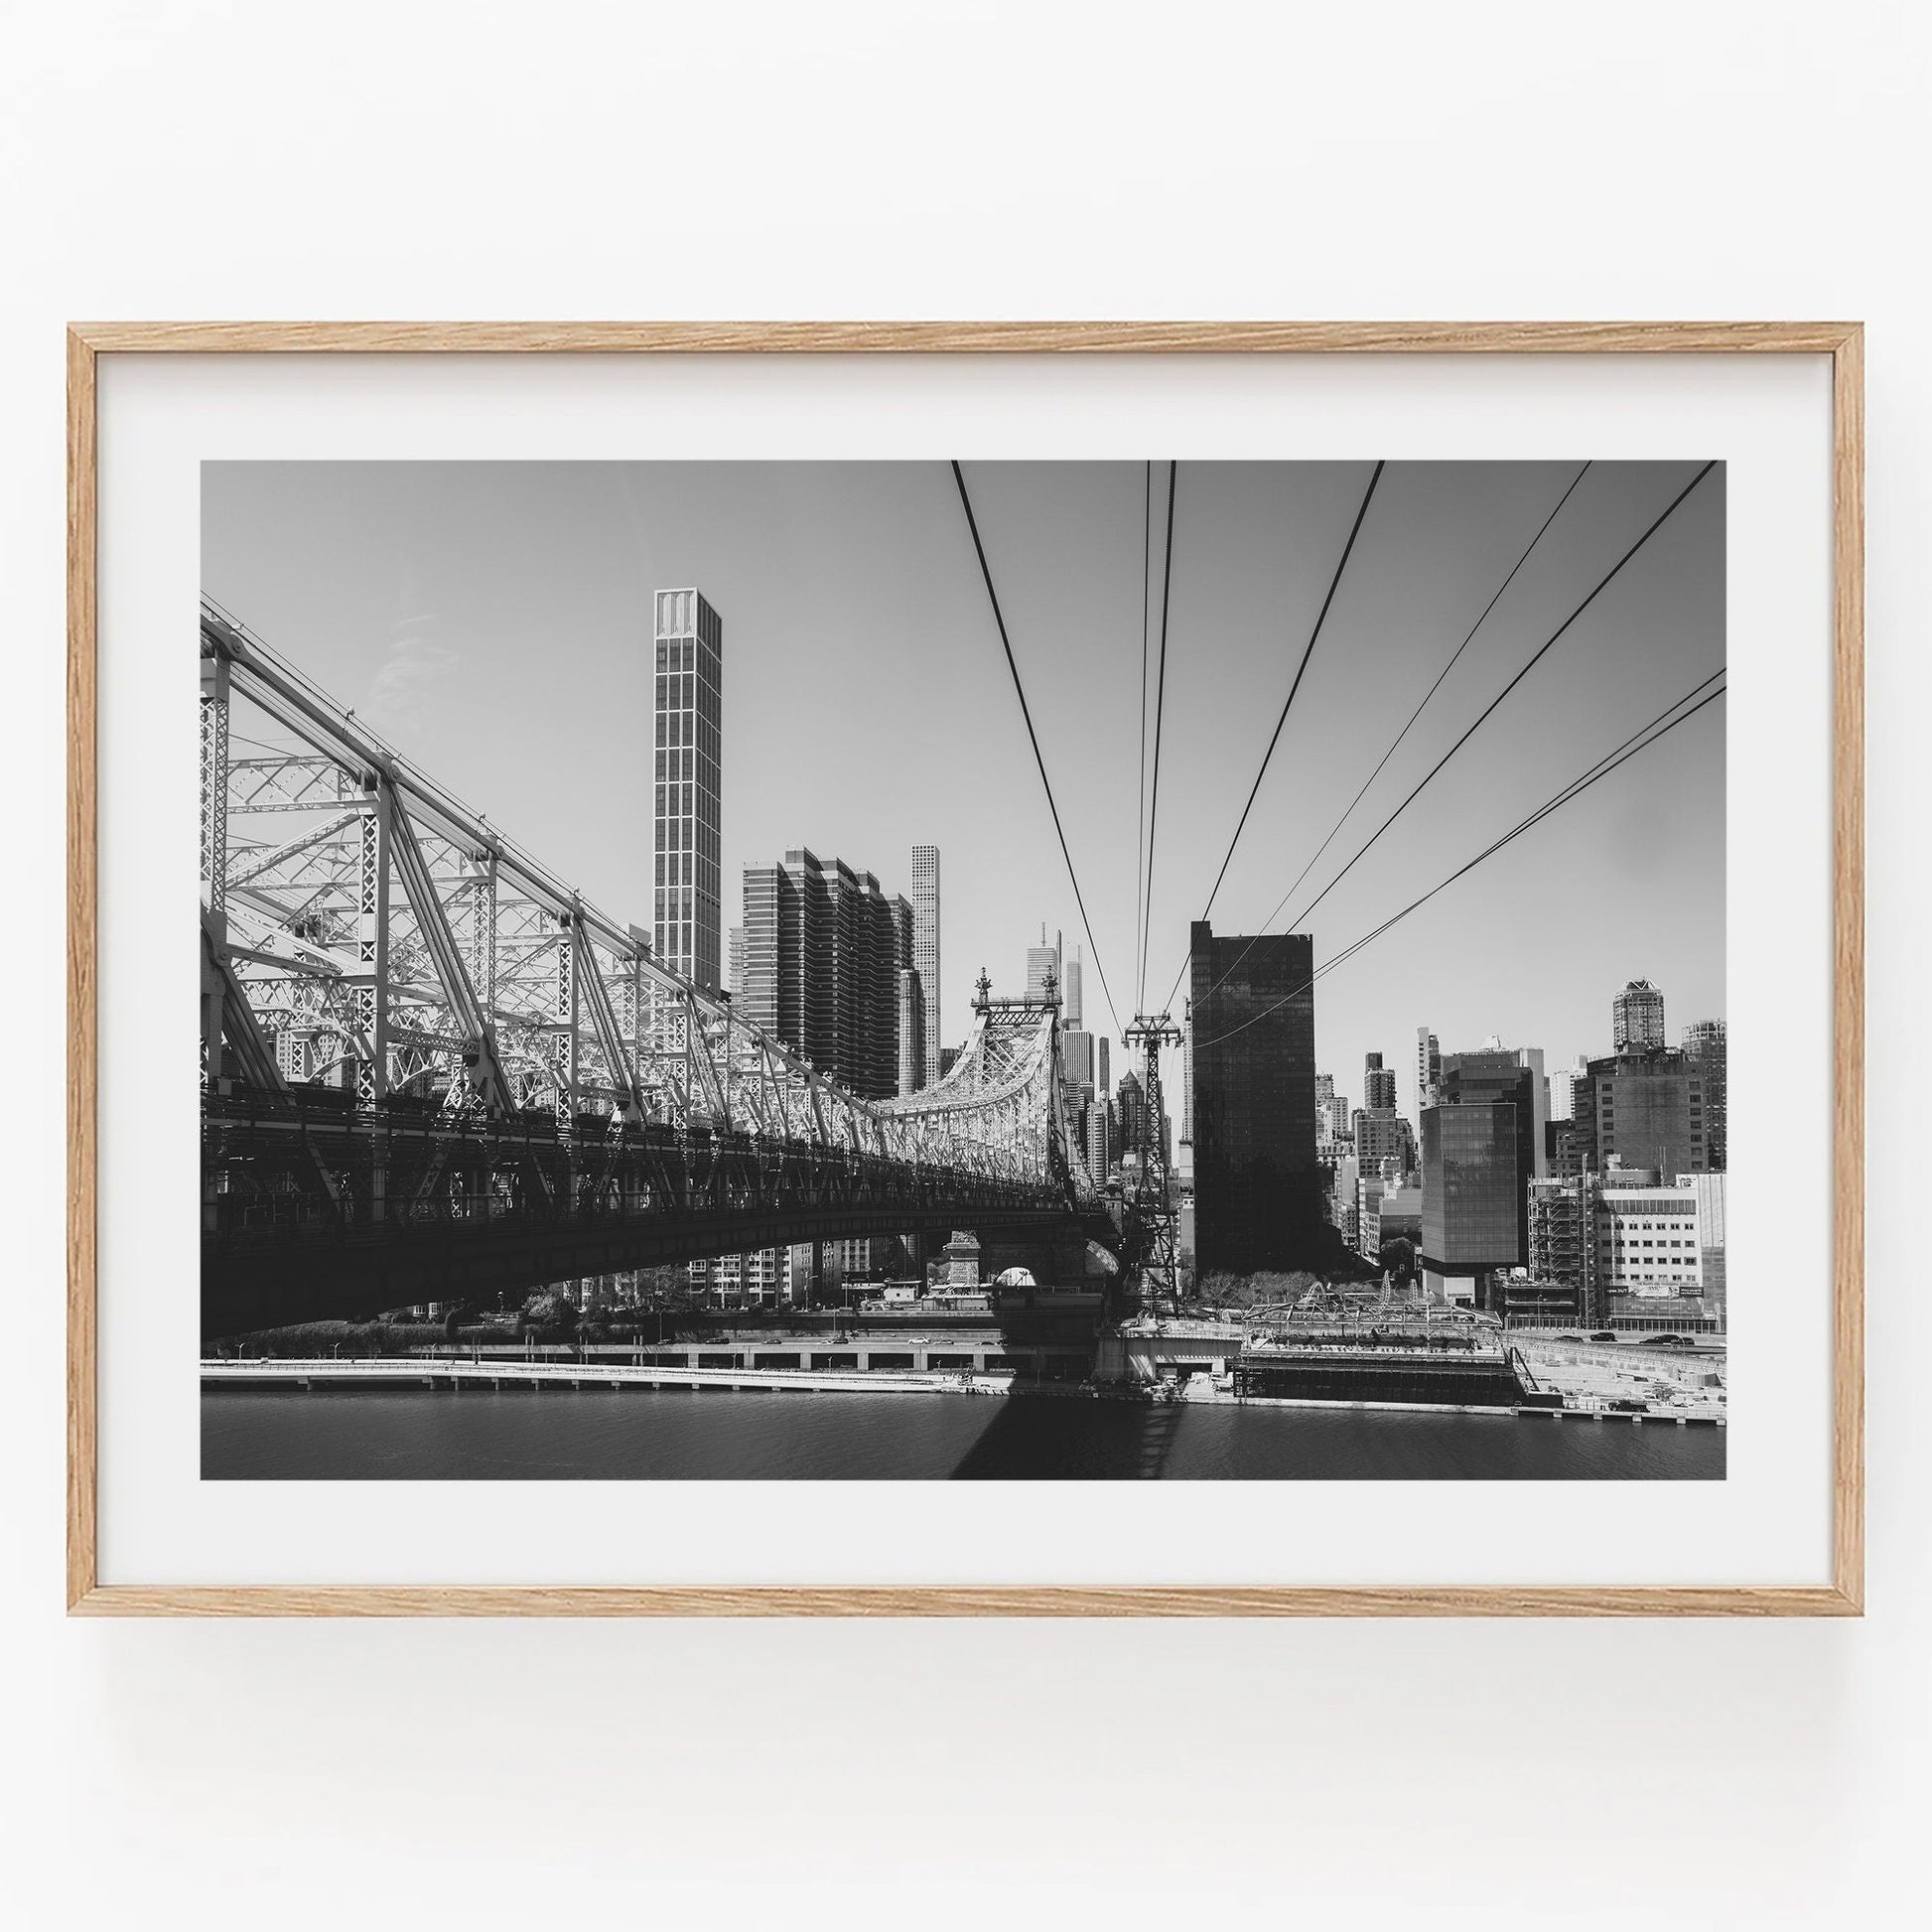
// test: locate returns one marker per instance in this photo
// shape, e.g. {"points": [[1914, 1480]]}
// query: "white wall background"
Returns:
{"points": [[393, 159]]}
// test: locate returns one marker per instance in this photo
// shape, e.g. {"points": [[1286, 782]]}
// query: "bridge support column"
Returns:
{"points": [[1056, 1258]]}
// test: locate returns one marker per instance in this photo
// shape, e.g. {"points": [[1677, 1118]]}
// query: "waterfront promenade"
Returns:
{"points": [[453, 1372]]}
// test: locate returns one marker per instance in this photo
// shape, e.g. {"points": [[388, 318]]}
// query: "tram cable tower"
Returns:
{"points": [[1152, 1196]]}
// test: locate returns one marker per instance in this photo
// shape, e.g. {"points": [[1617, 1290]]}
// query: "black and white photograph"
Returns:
{"points": [[978, 798], [987, 970]]}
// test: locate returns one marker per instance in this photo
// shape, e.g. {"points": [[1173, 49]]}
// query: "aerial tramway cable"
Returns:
{"points": [[1488, 710], [1025, 712], [1396, 746], [1322, 617], [1140, 808], [1638, 740], [1160, 707]]}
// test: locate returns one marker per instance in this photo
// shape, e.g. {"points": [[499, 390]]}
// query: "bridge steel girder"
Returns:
{"points": [[424, 1048]]}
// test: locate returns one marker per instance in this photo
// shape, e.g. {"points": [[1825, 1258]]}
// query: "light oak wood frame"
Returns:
{"points": [[1843, 342]]}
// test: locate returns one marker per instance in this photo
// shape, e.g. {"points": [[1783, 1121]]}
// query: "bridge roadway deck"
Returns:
{"points": [[280, 1252], [258, 1279]]}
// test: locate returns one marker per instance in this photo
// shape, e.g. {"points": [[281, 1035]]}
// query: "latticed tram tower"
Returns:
{"points": [[1152, 1198]]}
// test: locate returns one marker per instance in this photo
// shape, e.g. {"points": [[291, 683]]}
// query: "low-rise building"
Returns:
{"points": [[1709, 1191], [1623, 1234], [1647, 1236], [1394, 1212]]}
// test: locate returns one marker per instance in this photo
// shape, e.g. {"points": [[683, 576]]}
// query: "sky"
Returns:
{"points": [[493, 621]]}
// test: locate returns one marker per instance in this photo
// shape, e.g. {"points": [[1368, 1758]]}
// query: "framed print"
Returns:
{"points": [[988, 968]]}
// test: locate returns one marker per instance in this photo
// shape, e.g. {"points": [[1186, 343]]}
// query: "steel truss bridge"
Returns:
{"points": [[431, 1072]]}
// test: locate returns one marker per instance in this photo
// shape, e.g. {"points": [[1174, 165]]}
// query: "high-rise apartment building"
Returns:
{"points": [[1704, 1047], [685, 817], [1341, 1200], [1101, 1080], [1257, 1187], [1383, 1140], [766, 1277], [1647, 1110], [824, 949], [925, 948], [1637, 1017], [734, 962], [1378, 1085], [1428, 1068]]}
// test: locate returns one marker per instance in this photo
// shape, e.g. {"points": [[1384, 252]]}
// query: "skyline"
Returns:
{"points": [[415, 593]]}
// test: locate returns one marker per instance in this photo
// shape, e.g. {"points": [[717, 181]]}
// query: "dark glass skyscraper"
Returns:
{"points": [[1257, 1186], [1474, 1198], [1479, 1157]]}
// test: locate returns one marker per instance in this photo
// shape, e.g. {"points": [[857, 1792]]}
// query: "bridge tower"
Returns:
{"points": [[1152, 1198]]}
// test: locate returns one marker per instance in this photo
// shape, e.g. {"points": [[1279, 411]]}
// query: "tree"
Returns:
{"points": [[549, 1309], [1398, 1257]]}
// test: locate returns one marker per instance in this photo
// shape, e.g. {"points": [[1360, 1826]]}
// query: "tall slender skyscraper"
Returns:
{"points": [[1070, 993], [925, 948], [1042, 960], [911, 1033], [685, 818]]}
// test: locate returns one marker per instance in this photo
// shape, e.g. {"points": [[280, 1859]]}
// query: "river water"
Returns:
{"points": [[599, 1434]]}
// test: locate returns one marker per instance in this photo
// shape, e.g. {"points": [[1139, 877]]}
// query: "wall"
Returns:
{"points": [[1008, 159]]}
